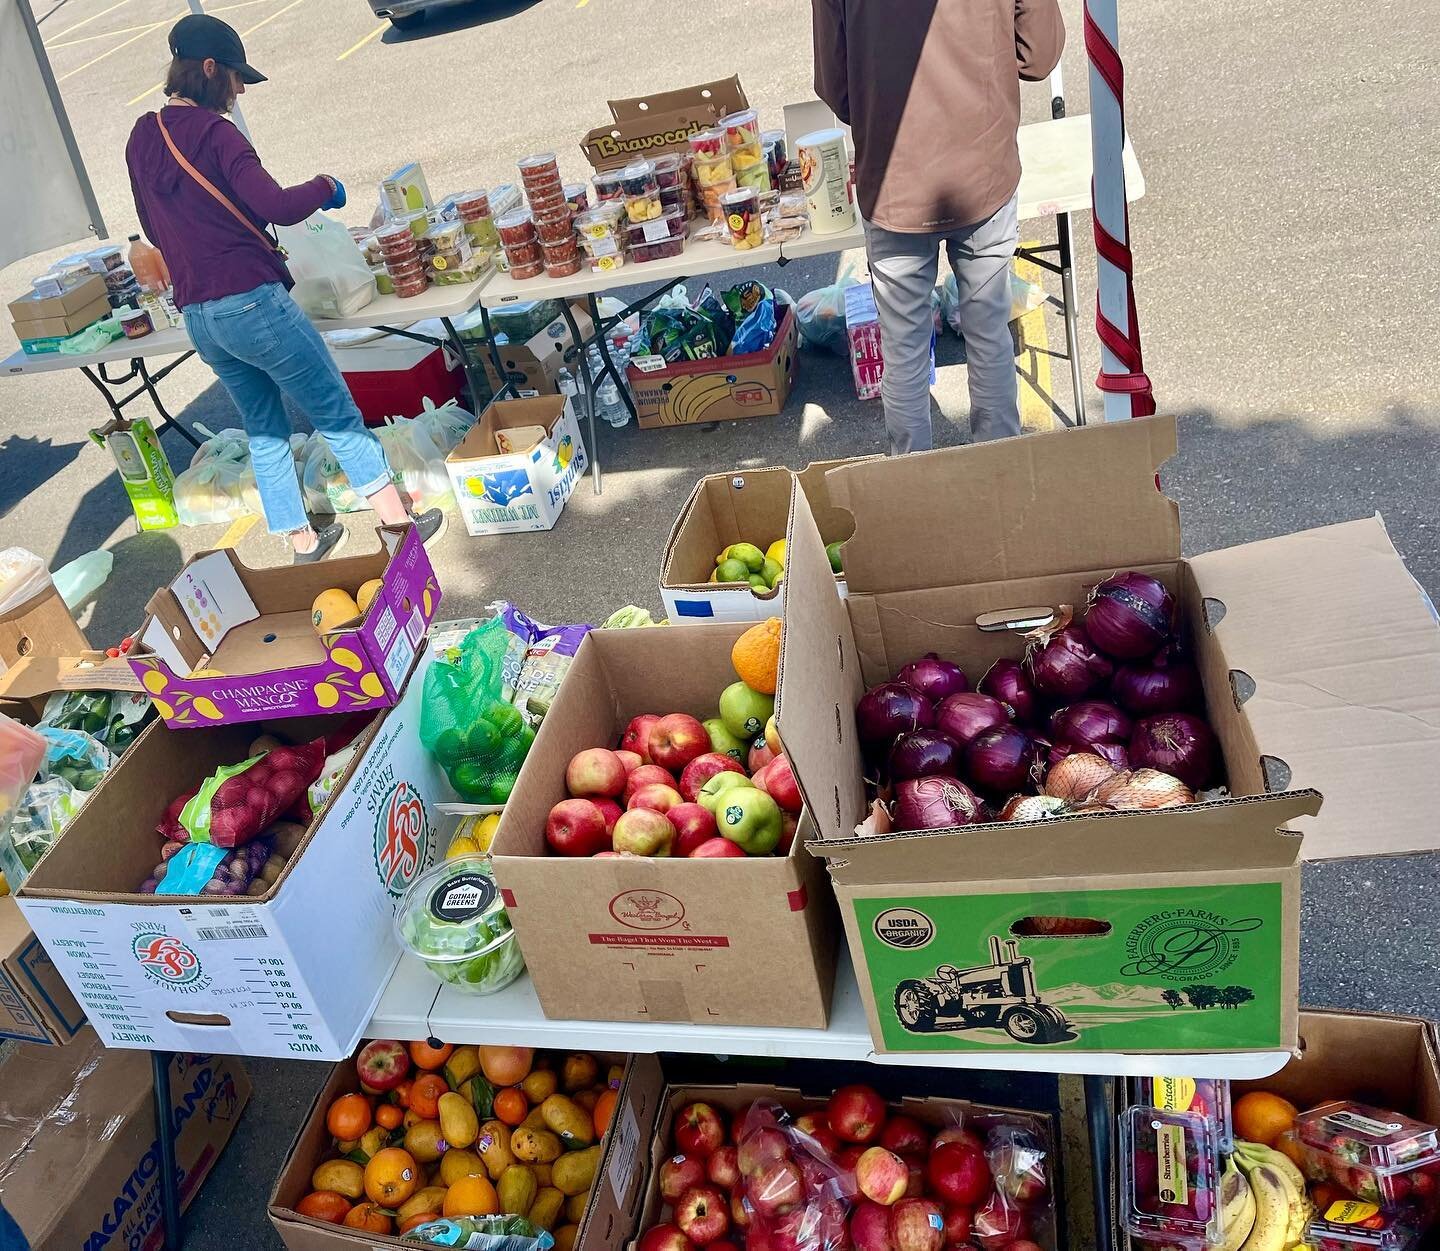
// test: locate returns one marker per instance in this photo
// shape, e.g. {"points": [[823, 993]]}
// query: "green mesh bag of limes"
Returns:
{"points": [[478, 737]]}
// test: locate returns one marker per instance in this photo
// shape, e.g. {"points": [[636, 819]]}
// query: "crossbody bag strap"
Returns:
{"points": [[215, 191]]}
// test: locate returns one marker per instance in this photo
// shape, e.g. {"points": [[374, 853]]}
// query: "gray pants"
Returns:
{"points": [[903, 268]]}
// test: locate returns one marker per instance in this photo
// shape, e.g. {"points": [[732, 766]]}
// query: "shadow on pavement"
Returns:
{"points": [[143, 563], [448, 20], [29, 464]]}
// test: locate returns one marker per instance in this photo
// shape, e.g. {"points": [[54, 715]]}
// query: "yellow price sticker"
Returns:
{"points": [[1350, 1211], [1173, 1094]]}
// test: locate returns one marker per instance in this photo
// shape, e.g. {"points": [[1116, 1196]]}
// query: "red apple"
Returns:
{"points": [[789, 823], [957, 1224], [700, 770], [760, 1149], [958, 1173], [693, 826], [711, 849], [828, 1140], [780, 782], [677, 739], [665, 1238], [917, 1225], [758, 778], [678, 1174], [632, 760], [576, 827], [760, 756], [723, 1167], [999, 1223], [956, 1134], [856, 1113], [647, 775], [596, 772], [657, 797], [848, 1156], [1022, 1244], [637, 735], [809, 1122], [382, 1064], [777, 1189], [740, 1211], [792, 1232], [724, 1245], [882, 1175], [915, 1187], [904, 1135], [610, 810], [643, 832], [870, 1227], [699, 1128], [703, 1214], [1019, 1165]]}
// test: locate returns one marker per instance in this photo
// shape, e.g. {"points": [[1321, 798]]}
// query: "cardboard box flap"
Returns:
{"points": [[37, 676], [1197, 838], [723, 509], [724, 95], [1334, 654], [659, 122], [1001, 510]]}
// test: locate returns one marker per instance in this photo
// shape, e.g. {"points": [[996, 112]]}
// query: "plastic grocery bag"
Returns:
{"points": [[23, 576], [482, 1233], [331, 276], [447, 423], [821, 317], [479, 738], [221, 488], [417, 464], [323, 482], [1025, 297]]}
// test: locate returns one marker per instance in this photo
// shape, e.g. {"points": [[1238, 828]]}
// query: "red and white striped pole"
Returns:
{"points": [[1122, 373]]}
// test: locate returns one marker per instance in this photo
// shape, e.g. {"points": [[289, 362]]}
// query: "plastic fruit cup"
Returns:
{"points": [[607, 186], [576, 196], [523, 254], [708, 143], [563, 269], [531, 269], [741, 128], [710, 172], [516, 227], [555, 227], [561, 253], [742, 215], [473, 204]]}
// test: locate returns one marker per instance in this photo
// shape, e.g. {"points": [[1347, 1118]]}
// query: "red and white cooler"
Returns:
{"points": [[391, 376]]}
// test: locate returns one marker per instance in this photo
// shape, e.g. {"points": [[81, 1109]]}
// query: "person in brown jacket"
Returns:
{"points": [[931, 91]]}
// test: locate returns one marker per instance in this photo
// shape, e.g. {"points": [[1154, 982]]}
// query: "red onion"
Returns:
{"points": [[963, 716], [1089, 721], [1130, 615], [887, 711], [936, 803], [1067, 665], [923, 753], [1164, 683], [1176, 743], [934, 678], [1002, 760], [1116, 755], [1006, 681]]}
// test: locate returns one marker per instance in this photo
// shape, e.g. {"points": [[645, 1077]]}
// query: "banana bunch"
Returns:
{"points": [[1273, 1211]]}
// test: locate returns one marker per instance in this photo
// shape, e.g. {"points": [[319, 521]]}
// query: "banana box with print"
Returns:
{"points": [[292, 970]]}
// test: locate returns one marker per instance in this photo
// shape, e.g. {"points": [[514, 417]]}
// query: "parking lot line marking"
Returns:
{"points": [[147, 92], [1036, 391], [355, 47], [222, 8], [125, 44], [266, 20], [239, 528], [86, 21], [104, 34]]}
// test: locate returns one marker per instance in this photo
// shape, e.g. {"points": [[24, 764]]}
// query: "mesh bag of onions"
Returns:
{"points": [[1104, 713]]}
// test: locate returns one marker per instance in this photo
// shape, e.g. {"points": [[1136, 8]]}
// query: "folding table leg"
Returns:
{"points": [[165, 1134], [467, 362], [1072, 321], [589, 388]]}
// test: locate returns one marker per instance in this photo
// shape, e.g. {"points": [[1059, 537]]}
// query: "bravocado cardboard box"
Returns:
{"points": [[295, 972], [79, 1160], [714, 942], [518, 465], [226, 643], [727, 388], [615, 1196], [744, 506], [646, 126], [1321, 667]]}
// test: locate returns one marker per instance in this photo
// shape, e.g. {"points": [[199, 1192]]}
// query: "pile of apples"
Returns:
{"points": [[896, 1183], [678, 787]]}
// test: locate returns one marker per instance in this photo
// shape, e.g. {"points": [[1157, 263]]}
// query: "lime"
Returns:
{"points": [[758, 582], [832, 550], [771, 571], [732, 571], [753, 557], [776, 552]]}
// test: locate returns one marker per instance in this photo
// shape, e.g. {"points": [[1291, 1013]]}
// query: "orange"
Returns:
{"points": [[391, 1177], [401, 1093], [428, 1057], [324, 1205], [389, 1116], [1289, 1144], [756, 656], [420, 1218], [349, 1117], [371, 1217], [472, 1196], [505, 1066], [425, 1095], [1262, 1117], [511, 1106], [604, 1110]]}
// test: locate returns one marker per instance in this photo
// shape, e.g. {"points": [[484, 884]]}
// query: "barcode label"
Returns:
{"points": [[624, 1155], [212, 934]]}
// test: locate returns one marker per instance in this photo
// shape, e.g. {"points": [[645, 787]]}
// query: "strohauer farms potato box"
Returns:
{"points": [[1320, 661]]}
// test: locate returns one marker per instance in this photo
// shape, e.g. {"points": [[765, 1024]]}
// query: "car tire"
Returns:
{"points": [[409, 21]]}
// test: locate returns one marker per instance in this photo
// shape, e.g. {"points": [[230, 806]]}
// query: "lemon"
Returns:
{"points": [[485, 830], [461, 845], [776, 552]]}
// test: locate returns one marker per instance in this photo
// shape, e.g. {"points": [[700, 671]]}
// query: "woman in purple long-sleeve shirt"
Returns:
{"points": [[233, 287]]}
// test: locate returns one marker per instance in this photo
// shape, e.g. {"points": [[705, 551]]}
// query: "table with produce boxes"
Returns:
{"points": [[563, 905]]}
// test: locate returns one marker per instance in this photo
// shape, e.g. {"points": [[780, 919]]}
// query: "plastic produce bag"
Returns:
{"points": [[323, 483], [83, 576], [112, 717], [815, 1220], [220, 485], [23, 576], [331, 276], [234, 874], [74, 756], [41, 816], [237, 802], [21, 752], [821, 317], [752, 304], [482, 1233], [478, 737], [548, 653], [416, 463]]}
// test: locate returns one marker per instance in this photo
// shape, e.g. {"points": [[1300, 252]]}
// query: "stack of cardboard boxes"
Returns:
{"points": [[43, 322]]}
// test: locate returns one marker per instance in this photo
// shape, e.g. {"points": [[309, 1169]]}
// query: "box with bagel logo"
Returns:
{"points": [[293, 970]]}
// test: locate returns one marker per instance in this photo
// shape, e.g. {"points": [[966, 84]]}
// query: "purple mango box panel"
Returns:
{"points": [[225, 643]]}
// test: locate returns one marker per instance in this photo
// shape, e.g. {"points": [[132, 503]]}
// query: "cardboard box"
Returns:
{"points": [[1305, 688], [744, 506], [635, 939], [862, 335], [295, 972], [526, 488], [79, 1160], [35, 1004], [753, 384], [663, 122], [615, 1197], [226, 643], [64, 325], [406, 190], [533, 366], [41, 626], [32, 307]]}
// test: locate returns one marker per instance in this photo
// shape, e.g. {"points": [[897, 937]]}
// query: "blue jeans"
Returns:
{"points": [[260, 344]]}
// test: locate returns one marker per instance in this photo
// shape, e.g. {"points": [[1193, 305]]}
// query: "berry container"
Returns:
{"points": [[1208, 1096], [1353, 1225], [1362, 1134], [1170, 1164]]}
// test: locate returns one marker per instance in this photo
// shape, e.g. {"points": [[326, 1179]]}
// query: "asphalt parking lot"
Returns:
{"points": [[1285, 261]]}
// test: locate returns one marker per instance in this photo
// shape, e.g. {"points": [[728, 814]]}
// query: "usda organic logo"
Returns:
{"points": [[402, 834], [168, 961]]}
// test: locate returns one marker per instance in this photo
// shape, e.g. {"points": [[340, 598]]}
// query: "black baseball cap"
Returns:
{"points": [[198, 35]]}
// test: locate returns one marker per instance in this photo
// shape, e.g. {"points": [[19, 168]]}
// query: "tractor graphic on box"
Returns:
{"points": [[1000, 994]]}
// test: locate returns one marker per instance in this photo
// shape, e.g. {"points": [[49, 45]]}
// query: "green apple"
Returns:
{"points": [[753, 557], [723, 741], [744, 711], [750, 819], [716, 786], [832, 550]]}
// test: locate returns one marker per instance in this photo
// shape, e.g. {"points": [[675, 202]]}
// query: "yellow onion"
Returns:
{"points": [[1031, 808], [1143, 789], [1077, 776]]}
